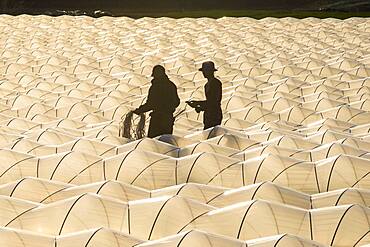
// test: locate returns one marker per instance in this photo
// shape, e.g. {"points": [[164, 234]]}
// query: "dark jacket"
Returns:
{"points": [[162, 100], [162, 97], [212, 105]]}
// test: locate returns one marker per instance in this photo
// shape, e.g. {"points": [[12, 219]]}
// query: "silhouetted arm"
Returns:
{"points": [[149, 104], [175, 98]]}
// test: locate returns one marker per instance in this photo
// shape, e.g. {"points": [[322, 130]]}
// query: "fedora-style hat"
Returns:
{"points": [[209, 65]]}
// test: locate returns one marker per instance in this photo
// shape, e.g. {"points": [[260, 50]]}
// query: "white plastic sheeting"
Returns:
{"points": [[289, 166]]}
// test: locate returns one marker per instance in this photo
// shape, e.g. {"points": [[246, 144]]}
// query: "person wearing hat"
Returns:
{"points": [[213, 92], [162, 100]]}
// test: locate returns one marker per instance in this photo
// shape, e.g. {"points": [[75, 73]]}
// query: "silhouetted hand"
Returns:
{"points": [[191, 103], [136, 111]]}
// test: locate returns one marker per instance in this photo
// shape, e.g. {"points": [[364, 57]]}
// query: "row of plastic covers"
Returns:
{"points": [[106, 237], [154, 171], [46, 191], [289, 165], [99, 75], [158, 217]]}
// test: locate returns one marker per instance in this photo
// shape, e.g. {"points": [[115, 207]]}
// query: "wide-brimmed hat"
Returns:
{"points": [[209, 65]]}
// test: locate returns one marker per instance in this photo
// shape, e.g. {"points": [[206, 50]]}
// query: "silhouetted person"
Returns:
{"points": [[213, 91], [162, 100]]}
